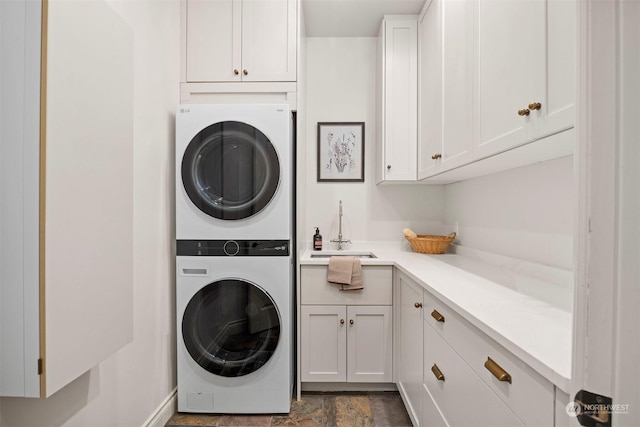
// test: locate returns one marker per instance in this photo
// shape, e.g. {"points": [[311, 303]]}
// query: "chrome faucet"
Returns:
{"points": [[339, 240]]}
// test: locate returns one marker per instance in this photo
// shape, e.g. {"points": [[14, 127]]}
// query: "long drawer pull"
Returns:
{"points": [[437, 372], [439, 317], [497, 371]]}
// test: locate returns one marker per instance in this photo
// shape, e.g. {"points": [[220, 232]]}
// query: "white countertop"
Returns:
{"points": [[502, 302]]}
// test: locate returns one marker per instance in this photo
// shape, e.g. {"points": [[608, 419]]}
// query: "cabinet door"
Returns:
{"points": [[213, 40], [430, 89], [510, 70], [457, 83], [457, 385], [269, 40], [400, 103], [323, 343], [409, 352], [557, 111], [369, 344]]}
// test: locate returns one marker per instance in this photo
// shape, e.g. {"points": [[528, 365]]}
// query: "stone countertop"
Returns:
{"points": [[501, 301]]}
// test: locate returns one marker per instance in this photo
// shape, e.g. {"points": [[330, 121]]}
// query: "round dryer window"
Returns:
{"points": [[230, 170], [231, 327]]}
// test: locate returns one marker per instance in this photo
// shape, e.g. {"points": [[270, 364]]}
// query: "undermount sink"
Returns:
{"points": [[344, 253]]}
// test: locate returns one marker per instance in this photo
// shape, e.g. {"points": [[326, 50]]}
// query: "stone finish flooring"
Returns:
{"points": [[379, 409]]}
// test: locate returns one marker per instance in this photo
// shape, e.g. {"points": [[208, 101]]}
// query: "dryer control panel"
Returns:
{"points": [[232, 248]]}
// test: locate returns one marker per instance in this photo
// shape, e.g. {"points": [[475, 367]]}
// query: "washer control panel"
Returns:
{"points": [[233, 248]]}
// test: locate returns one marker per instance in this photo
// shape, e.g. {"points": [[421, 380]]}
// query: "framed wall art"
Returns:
{"points": [[340, 151]]}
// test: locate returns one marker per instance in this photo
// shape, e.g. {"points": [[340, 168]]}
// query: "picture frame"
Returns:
{"points": [[340, 152]]}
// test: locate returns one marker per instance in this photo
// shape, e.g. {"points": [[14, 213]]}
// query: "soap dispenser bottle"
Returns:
{"points": [[317, 240]]}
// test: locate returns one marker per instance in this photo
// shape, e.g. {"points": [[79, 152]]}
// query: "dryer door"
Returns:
{"points": [[230, 170], [231, 327]]}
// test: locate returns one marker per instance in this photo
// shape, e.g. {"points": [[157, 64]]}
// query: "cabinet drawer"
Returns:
{"points": [[377, 279], [462, 397], [529, 395]]}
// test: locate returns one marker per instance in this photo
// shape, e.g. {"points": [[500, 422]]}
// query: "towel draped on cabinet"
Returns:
{"points": [[345, 271]]}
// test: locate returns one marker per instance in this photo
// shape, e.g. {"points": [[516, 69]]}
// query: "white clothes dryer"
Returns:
{"points": [[234, 171], [234, 317]]}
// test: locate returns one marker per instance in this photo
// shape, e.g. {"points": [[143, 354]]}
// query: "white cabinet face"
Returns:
{"points": [[323, 343], [510, 70], [269, 40], [399, 101], [457, 82], [369, 344], [213, 40], [430, 90], [409, 352], [240, 40], [346, 343]]}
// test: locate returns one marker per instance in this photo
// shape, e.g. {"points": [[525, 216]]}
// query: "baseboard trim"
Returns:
{"points": [[335, 387], [164, 412]]}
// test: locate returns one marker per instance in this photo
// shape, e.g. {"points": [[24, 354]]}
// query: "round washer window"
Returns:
{"points": [[230, 170], [231, 327]]}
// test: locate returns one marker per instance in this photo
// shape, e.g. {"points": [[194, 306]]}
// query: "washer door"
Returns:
{"points": [[231, 327], [230, 170]]}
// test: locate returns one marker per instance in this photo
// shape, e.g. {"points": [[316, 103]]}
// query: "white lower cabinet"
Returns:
{"points": [[526, 393], [431, 415], [346, 343], [409, 345], [449, 373], [346, 336], [457, 391]]}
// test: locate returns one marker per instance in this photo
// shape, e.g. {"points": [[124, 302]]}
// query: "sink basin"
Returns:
{"points": [[344, 253]]}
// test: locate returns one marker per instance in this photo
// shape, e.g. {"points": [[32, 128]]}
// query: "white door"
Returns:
{"points": [[369, 344], [557, 109], [400, 100], [430, 89], [213, 40], [457, 83], [510, 70], [323, 343], [269, 40], [409, 352]]}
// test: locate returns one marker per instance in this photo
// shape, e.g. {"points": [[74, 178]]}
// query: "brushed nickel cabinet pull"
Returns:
{"points": [[437, 372], [439, 317], [497, 371]]}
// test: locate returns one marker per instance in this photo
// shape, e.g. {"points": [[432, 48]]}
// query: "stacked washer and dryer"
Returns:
{"points": [[234, 287]]}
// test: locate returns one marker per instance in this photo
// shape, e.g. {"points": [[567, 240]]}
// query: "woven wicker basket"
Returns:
{"points": [[426, 244]]}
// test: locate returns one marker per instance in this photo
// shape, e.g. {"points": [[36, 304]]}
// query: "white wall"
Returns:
{"points": [[341, 87], [127, 388], [524, 213]]}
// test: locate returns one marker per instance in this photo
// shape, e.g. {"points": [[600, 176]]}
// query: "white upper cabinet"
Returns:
{"points": [[445, 44], [494, 75], [526, 71], [240, 40], [511, 50], [397, 112], [429, 88]]}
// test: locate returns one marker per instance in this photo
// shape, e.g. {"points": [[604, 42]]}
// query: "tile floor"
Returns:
{"points": [[379, 409]]}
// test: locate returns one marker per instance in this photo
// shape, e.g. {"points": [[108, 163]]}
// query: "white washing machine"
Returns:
{"points": [[233, 172], [234, 326]]}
